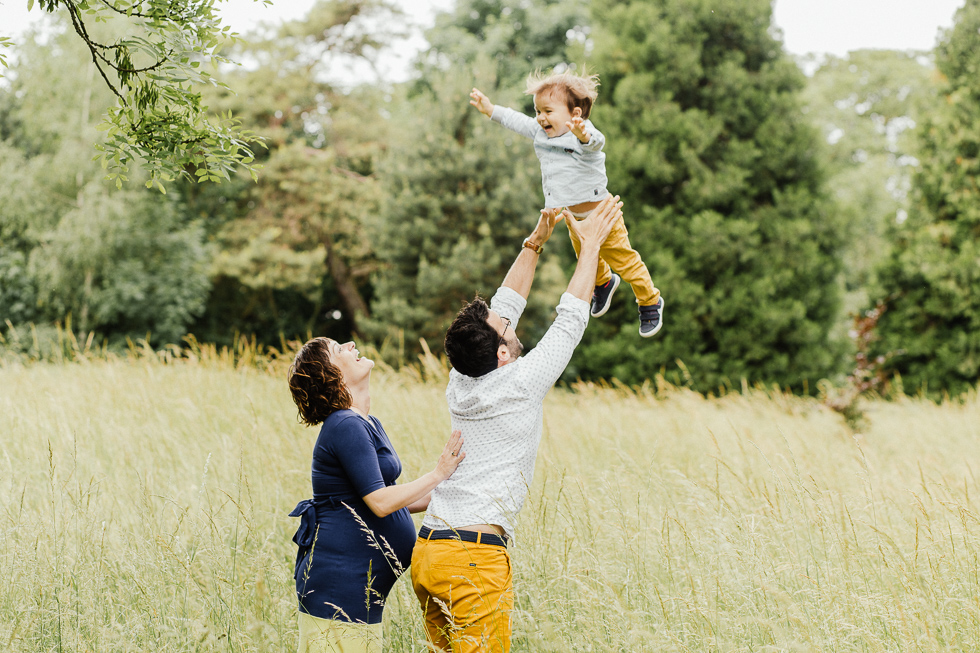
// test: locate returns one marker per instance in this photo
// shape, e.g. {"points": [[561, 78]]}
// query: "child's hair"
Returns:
{"points": [[575, 90]]}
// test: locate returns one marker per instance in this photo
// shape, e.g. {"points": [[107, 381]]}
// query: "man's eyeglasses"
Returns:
{"points": [[504, 332]]}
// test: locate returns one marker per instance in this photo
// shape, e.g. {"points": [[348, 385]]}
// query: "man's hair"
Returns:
{"points": [[576, 91], [471, 343], [317, 385]]}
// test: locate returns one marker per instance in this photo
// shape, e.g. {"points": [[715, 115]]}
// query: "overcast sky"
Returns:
{"points": [[808, 26]]}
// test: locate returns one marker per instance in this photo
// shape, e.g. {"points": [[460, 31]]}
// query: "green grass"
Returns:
{"points": [[143, 507]]}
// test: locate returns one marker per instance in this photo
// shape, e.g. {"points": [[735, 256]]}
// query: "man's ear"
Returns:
{"points": [[503, 355]]}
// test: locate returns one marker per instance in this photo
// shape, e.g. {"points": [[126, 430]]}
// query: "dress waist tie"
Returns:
{"points": [[306, 533]]}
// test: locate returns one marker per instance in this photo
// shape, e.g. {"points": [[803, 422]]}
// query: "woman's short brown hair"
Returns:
{"points": [[316, 384], [576, 91]]}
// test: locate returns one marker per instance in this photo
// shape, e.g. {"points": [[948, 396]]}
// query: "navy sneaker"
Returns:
{"points": [[602, 296], [651, 318]]}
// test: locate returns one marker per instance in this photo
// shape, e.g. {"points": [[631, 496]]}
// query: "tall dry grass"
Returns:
{"points": [[143, 504]]}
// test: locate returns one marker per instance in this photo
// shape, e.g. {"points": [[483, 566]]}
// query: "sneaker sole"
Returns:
{"points": [[659, 324], [604, 309]]}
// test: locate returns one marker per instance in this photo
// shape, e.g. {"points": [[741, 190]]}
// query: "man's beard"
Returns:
{"points": [[515, 348]]}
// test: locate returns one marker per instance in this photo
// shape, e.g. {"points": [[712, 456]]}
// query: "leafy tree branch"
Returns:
{"points": [[160, 121]]}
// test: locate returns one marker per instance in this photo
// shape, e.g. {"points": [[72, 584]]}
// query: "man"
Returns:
{"points": [[460, 566]]}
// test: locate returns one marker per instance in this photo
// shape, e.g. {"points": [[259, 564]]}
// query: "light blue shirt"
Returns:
{"points": [[572, 172]]}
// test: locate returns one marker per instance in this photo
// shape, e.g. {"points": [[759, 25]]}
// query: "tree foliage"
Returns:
{"points": [[461, 193], [930, 279], [724, 195], [381, 208], [293, 255], [153, 56], [510, 37], [867, 106], [121, 263]]}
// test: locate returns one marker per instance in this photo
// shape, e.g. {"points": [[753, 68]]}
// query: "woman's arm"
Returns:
{"points": [[421, 505], [387, 500]]}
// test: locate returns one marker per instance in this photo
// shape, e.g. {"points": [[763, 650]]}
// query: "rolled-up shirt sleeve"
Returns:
{"points": [[546, 362], [515, 121], [508, 303]]}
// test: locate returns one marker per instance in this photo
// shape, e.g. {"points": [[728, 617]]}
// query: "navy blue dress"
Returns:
{"points": [[347, 564]]}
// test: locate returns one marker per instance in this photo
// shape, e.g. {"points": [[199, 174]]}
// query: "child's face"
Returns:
{"points": [[552, 113]]}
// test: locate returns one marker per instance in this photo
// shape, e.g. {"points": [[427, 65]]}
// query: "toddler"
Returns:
{"points": [[573, 175]]}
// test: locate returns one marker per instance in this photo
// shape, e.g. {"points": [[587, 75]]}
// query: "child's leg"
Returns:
{"points": [[602, 273], [626, 262]]}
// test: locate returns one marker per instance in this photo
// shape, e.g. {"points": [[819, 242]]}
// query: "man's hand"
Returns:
{"points": [[481, 102], [521, 274], [546, 224], [594, 229], [577, 127], [592, 232]]}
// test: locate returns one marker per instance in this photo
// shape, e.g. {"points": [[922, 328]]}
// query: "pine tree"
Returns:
{"points": [[724, 198], [462, 192], [931, 279]]}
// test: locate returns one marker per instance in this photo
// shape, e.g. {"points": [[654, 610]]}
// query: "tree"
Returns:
{"points": [[123, 264], [930, 280], [120, 263], [724, 197], [152, 57], [461, 193], [293, 255], [510, 38], [867, 106]]}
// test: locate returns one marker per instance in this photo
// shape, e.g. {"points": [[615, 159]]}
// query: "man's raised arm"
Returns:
{"points": [[546, 362], [521, 274], [592, 232]]}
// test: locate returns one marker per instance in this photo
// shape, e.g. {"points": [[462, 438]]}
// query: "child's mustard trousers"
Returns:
{"points": [[618, 254]]}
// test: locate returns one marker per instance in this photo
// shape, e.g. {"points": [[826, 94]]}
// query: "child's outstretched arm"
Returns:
{"points": [[481, 102], [512, 120], [592, 138]]}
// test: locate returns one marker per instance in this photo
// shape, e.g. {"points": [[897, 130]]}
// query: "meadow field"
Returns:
{"points": [[143, 507]]}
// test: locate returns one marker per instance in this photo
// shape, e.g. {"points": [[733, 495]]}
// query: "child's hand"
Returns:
{"points": [[577, 127], [481, 102]]}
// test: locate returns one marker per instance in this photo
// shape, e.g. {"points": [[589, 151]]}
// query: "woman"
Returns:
{"points": [[356, 535]]}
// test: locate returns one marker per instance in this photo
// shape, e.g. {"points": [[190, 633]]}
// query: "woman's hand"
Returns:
{"points": [[415, 494], [452, 456]]}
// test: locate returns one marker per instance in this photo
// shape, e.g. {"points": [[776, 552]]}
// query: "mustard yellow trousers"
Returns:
{"points": [[467, 594], [618, 255]]}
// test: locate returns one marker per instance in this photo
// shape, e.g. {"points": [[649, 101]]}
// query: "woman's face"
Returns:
{"points": [[348, 361]]}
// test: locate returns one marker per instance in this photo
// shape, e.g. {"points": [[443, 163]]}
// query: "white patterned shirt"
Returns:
{"points": [[500, 415]]}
